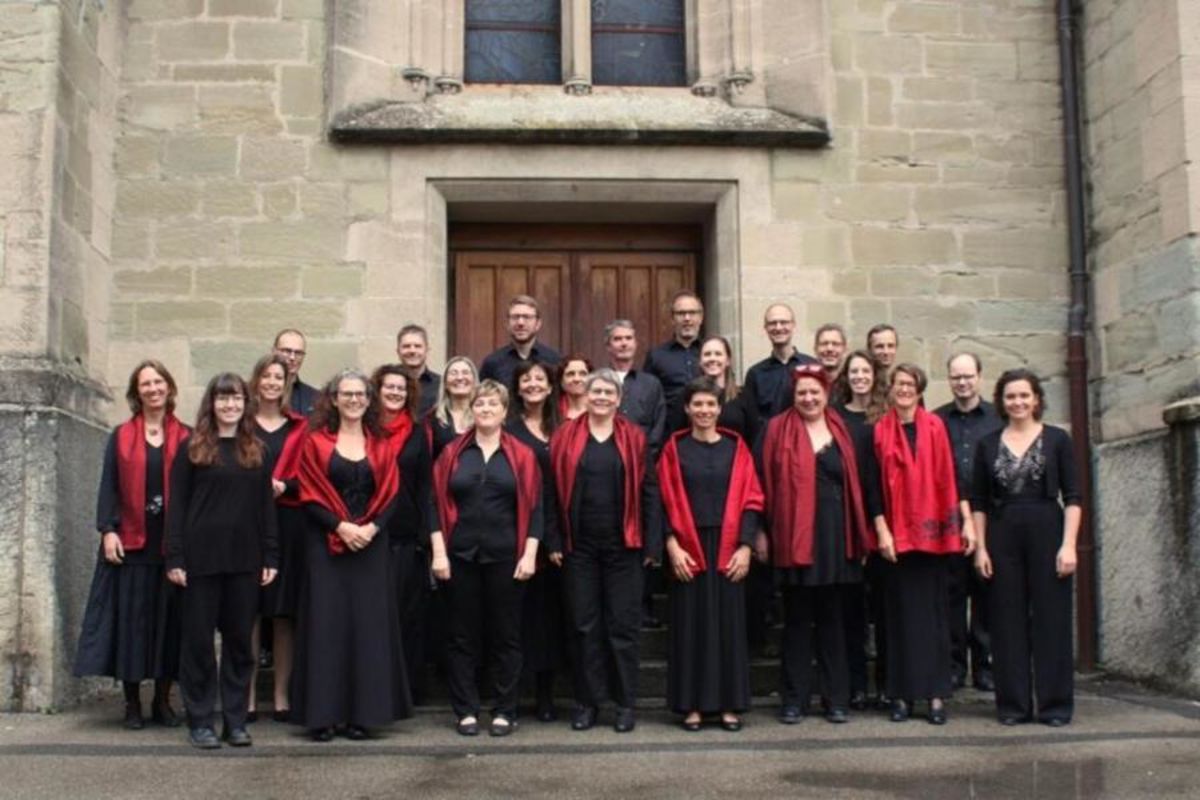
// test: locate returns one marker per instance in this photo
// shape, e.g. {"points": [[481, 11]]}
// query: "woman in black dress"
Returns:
{"points": [[399, 398], [452, 412], [859, 393], [713, 504], [1026, 504], [817, 537], [222, 546], [131, 626], [282, 431], [609, 519], [920, 521], [349, 673], [532, 419], [487, 524]]}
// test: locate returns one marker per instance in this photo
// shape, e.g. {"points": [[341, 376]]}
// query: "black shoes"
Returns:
{"points": [[1056, 722], [237, 737], [858, 701], [133, 717], [984, 682], [583, 718], [937, 714], [900, 711], [467, 726], [838, 716], [732, 724], [322, 734], [692, 726], [625, 721], [162, 714], [282, 715], [501, 726], [790, 715], [357, 733], [251, 716], [204, 739]]}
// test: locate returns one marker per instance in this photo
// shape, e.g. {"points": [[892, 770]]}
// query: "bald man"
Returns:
{"points": [[768, 382]]}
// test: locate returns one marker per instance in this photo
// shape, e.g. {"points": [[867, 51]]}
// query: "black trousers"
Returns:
{"points": [[854, 615], [479, 595], [969, 640], [410, 577], [604, 587], [918, 637], [803, 608], [225, 603], [875, 584], [1030, 613]]}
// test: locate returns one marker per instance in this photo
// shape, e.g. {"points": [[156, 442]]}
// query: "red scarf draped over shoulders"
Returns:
{"points": [[790, 478], [745, 494], [523, 462], [920, 496], [566, 448], [131, 474], [315, 486], [287, 466]]}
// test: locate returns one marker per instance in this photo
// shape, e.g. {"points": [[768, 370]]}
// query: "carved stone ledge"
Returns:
{"points": [[705, 88], [738, 81], [417, 78], [578, 87], [447, 85]]}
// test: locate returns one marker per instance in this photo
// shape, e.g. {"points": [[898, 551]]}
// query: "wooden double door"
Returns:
{"points": [[582, 276]]}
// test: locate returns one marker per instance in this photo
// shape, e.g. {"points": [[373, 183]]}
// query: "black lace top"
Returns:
{"points": [[1024, 476]]}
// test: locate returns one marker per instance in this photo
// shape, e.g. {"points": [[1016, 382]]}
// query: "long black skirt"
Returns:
{"points": [[280, 596], [131, 628], [709, 662], [544, 621], [918, 630], [349, 657]]}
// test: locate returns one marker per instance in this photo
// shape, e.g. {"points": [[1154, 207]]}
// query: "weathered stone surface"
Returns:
{"points": [[228, 199], [300, 240], [266, 283], [268, 41], [155, 199], [194, 41], [335, 281], [164, 9], [271, 159], [223, 73], [189, 156], [243, 8], [195, 240], [162, 280], [162, 108], [900, 246], [260, 321], [301, 92], [180, 318]]}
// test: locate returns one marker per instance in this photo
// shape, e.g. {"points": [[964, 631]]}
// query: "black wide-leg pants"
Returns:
{"points": [[970, 644], [604, 586], [484, 594], [227, 603], [802, 607], [1031, 612]]}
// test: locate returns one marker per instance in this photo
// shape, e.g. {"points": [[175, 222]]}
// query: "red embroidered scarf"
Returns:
{"points": [[920, 497], [315, 486], [131, 474], [521, 460], [566, 448], [790, 478], [745, 494]]}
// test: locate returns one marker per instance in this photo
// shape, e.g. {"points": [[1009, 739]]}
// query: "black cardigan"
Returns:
{"points": [[1060, 470]]}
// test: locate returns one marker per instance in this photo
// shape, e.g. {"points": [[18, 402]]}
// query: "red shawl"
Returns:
{"points": [[790, 477], [315, 486], [288, 463], [399, 429], [524, 465], [566, 448], [131, 474], [745, 494], [920, 496]]}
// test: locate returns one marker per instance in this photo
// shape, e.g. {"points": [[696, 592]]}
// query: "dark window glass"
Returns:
{"points": [[638, 43], [513, 41]]}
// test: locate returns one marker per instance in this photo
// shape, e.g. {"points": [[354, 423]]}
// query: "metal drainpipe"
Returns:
{"points": [[1077, 322]]}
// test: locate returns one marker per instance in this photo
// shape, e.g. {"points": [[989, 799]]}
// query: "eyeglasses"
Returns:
{"points": [[229, 400], [962, 378], [352, 395], [522, 317], [288, 352], [687, 312]]}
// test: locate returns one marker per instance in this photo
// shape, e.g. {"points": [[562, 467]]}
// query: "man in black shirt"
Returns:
{"points": [[829, 343], [412, 348], [641, 393], [290, 345], [883, 342], [524, 322], [676, 362], [768, 383], [968, 419]]}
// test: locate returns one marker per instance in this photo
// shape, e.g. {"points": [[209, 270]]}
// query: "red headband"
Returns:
{"points": [[814, 371]]}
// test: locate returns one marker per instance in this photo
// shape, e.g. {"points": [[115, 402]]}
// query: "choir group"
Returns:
{"points": [[511, 524]]}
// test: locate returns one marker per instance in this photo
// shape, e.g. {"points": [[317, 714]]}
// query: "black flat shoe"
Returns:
{"points": [[547, 714], [237, 737], [357, 733], [1056, 722], [883, 703], [732, 725], [133, 717], [282, 715], [625, 721], [790, 715], [858, 701], [467, 726], [204, 739], [1008, 722], [501, 726], [583, 718], [984, 682], [162, 714], [692, 727], [937, 716], [837, 716], [251, 716], [900, 711], [322, 735]]}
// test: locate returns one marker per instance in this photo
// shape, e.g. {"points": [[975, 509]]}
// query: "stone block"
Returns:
{"points": [[924, 18], [880, 96], [259, 282], [335, 281], [193, 240], [850, 282], [966, 284], [1171, 272], [270, 159], [260, 320], [189, 156], [268, 41], [884, 144], [193, 41], [945, 116], [869, 203], [928, 146], [180, 318], [814, 166], [888, 55], [166, 108], [826, 247], [121, 323], [278, 200], [1028, 248], [938, 90], [209, 358], [928, 318], [238, 109], [130, 241], [1004, 316], [850, 101], [367, 199], [914, 247], [228, 199], [150, 199], [989, 205], [164, 9], [327, 162], [895, 171], [223, 73], [314, 239], [160, 280], [301, 92], [138, 156], [27, 32], [795, 201], [243, 8], [865, 313], [902, 282], [971, 59], [819, 312], [303, 9]]}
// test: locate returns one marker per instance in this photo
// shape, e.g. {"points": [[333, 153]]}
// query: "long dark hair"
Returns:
{"points": [[325, 415], [202, 446], [412, 387], [260, 367], [516, 408], [877, 399]]}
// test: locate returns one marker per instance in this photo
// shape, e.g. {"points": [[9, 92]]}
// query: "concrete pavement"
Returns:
{"points": [[1125, 743]]}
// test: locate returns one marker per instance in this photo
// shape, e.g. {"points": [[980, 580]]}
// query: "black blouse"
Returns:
{"points": [[989, 492], [551, 535], [275, 440], [707, 472], [408, 521], [108, 502]]}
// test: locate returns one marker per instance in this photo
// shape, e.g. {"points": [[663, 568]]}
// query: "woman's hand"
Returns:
{"points": [[527, 566], [681, 563], [556, 559], [268, 575], [114, 551], [1065, 562], [739, 564], [278, 487], [441, 567], [355, 536], [762, 547], [177, 576], [983, 563], [887, 546], [970, 540]]}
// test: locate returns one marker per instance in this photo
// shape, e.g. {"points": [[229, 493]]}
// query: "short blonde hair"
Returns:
{"points": [[490, 388]]}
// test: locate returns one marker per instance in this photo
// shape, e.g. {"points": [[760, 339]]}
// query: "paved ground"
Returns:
{"points": [[1125, 743]]}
